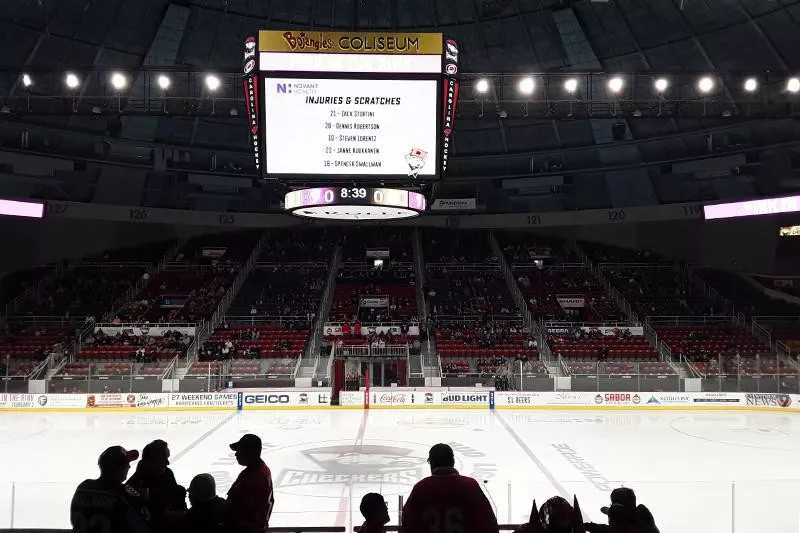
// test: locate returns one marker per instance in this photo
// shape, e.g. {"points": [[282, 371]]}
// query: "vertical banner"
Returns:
{"points": [[450, 98], [251, 97], [491, 400]]}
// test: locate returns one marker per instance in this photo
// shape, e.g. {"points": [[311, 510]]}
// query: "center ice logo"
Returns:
{"points": [[399, 464]]}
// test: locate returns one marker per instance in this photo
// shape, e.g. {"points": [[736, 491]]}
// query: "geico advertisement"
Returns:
{"points": [[267, 399]]}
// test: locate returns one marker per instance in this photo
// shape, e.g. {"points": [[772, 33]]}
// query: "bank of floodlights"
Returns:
{"points": [[705, 84], [164, 82], [526, 85], [212, 82], [72, 81], [482, 86], [751, 85], [661, 85], [119, 81], [793, 85], [615, 85]]}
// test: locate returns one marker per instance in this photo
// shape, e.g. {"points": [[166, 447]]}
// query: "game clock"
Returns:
{"points": [[354, 203]]}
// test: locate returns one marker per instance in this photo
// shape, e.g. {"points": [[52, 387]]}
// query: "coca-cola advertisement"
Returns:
{"points": [[391, 398]]}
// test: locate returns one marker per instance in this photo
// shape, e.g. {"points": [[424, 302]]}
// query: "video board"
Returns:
{"points": [[339, 105]]}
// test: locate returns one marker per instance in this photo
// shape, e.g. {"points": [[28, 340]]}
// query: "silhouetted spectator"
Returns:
{"points": [[209, 512], [105, 504], [250, 498], [624, 515], [446, 497], [156, 483], [376, 513]]}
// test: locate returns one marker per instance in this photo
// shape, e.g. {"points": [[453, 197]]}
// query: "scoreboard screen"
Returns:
{"points": [[327, 107], [365, 127]]}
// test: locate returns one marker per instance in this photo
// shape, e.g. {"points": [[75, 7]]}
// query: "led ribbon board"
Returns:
{"points": [[354, 203]]}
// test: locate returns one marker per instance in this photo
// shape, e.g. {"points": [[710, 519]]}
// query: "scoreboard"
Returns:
{"points": [[330, 107]]}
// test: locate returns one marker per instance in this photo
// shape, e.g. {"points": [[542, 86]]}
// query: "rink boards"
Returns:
{"points": [[398, 398]]}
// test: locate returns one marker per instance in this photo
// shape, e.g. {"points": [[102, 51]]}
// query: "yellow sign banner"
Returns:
{"points": [[334, 42]]}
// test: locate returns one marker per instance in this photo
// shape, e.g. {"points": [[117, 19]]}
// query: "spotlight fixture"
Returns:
{"points": [[164, 82], [750, 85], [793, 85], [661, 84], [212, 82], [26, 80], [615, 84], [119, 81], [72, 81], [527, 85], [482, 86], [571, 85], [705, 85]]}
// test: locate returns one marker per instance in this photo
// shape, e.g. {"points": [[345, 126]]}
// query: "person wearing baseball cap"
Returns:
{"points": [[624, 515], [106, 500], [251, 498]]}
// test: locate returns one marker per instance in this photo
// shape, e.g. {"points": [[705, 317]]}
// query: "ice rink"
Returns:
{"points": [[709, 472]]}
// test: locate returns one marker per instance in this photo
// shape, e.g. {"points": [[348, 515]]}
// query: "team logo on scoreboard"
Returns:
{"points": [[416, 160], [249, 55], [451, 69], [451, 50]]}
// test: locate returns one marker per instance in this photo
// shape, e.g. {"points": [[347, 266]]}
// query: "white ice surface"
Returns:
{"points": [[709, 472]]}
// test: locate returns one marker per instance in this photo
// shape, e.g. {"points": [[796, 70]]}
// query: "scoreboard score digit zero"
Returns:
{"points": [[334, 106]]}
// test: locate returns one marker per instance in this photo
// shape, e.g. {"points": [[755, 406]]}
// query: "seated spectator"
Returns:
{"points": [[376, 513], [106, 500], [556, 515], [624, 515], [209, 511]]}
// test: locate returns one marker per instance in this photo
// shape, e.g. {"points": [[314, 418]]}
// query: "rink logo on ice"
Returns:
{"points": [[382, 462], [586, 469], [768, 400]]}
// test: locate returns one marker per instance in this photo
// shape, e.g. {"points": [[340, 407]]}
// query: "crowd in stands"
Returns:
{"points": [[594, 345], [747, 298], [152, 501], [279, 291], [293, 246], [469, 292], [661, 291], [456, 247], [284, 340], [524, 248], [141, 348]]}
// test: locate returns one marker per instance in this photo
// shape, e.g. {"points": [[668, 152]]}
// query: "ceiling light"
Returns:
{"points": [[705, 85], [72, 81], [482, 86], [661, 84], [26, 80], [118, 81], [571, 85], [750, 85], [793, 85], [164, 82], [212, 82], [615, 84], [526, 85]]}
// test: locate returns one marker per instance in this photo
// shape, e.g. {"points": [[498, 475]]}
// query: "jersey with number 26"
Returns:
{"points": [[447, 502]]}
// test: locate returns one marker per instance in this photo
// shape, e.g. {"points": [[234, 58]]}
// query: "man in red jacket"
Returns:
{"points": [[250, 498], [447, 502]]}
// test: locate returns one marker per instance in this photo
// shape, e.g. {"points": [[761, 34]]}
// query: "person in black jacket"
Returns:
{"points": [[209, 512], [156, 482], [624, 515], [105, 504]]}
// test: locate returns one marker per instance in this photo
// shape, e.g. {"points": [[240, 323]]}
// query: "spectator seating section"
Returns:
{"points": [[448, 246], [633, 348], [714, 339], [14, 284], [453, 365], [238, 246], [269, 336], [471, 340], [82, 291], [347, 295], [660, 291], [18, 367], [541, 288], [606, 253], [619, 367], [147, 253], [746, 298], [280, 291], [469, 292], [32, 342], [523, 248], [299, 246], [397, 240]]}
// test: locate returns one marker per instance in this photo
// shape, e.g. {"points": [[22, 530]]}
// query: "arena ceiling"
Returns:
{"points": [[496, 36]]}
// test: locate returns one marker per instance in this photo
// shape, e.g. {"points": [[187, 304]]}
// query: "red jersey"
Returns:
{"points": [[250, 498], [448, 502]]}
